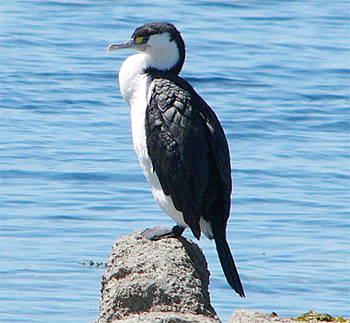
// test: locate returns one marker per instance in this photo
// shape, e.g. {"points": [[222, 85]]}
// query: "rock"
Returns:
{"points": [[164, 281], [250, 316]]}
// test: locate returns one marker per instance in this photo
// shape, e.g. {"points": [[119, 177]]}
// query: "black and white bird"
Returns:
{"points": [[178, 139]]}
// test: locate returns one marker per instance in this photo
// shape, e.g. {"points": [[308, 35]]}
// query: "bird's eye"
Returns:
{"points": [[141, 40]]}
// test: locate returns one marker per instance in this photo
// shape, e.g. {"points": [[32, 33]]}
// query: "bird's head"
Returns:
{"points": [[161, 42]]}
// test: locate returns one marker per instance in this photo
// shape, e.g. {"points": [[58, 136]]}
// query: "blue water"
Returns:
{"points": [[276, 73]]}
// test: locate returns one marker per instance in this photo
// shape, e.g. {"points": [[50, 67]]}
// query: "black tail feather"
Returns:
{"points": [[228, 265]]}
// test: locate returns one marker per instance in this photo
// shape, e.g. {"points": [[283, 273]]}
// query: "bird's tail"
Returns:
{"points": [[228, 265]]}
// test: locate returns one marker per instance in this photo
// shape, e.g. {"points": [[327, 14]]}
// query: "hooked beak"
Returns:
{"points": [[128, 45]]}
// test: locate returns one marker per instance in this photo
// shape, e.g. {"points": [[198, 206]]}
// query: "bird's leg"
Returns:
{"points": [[158, 233]]}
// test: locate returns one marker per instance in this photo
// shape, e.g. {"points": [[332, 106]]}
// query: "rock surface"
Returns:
{"points": [[250, 316], [164, 281]]}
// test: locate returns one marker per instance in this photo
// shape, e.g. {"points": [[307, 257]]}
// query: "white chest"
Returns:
{"points": [[134, 85]]}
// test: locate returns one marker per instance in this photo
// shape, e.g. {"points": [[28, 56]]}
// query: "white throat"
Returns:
{"points": [[132, 79]]}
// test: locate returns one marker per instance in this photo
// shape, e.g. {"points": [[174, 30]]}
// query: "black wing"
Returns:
{"points": [[189, 153]]}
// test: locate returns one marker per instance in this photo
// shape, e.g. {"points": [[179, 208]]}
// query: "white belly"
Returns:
{"points": [[165, 202], [139, 138]]}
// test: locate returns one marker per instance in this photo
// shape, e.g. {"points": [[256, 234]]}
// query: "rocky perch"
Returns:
{"points": [[164, 281]]}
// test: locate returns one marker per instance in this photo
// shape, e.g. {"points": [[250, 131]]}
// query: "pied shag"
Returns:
{"points": [[178, 139]]}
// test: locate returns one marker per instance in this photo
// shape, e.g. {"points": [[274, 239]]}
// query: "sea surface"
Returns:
{"points": [[277, 75]]}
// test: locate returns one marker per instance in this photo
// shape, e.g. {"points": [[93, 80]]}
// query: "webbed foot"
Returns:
{"points": [[158, 233]]}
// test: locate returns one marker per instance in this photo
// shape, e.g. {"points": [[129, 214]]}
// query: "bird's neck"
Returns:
{"points": [[135, 73], [133, 80]]}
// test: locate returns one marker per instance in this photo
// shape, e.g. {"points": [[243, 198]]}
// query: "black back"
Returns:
{"points": [[189, 152]]}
